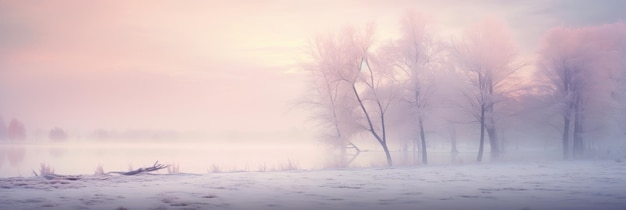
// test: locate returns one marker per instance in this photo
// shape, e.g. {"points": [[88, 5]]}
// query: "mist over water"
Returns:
{"points": [[192, 156], [82, 157]]}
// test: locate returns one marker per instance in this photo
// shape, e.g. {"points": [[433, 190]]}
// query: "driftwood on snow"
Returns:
{"points": [[157, 166]]}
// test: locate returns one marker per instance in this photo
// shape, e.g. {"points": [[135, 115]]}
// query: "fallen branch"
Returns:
{"points": [[49, 174], [157, 166]]}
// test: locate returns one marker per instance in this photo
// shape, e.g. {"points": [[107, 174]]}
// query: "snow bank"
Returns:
{"points": [[531, 185]]}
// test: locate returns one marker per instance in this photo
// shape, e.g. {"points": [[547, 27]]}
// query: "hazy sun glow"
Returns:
{"points": [[196, 65]]}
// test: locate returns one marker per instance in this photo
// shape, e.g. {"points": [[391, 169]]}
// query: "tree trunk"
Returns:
{"points": [[578, 139], [578, 132], [491, 128], [423, 138], [493, 139], [387, 154], [566, 125], [502, 142], [382, 140], [482, 134], [453, 139], [415, 147]]}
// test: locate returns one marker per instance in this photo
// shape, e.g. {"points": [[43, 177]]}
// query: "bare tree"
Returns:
{"points": [[362, 81], [372, 85], [415, 56], [563, 65], [331, 96], [487, 56], [581, 66]]}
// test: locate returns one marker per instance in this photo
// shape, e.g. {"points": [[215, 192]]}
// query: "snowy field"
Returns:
{"points": [[531, 185]]}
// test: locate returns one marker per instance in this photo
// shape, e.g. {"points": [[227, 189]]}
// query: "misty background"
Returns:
{"points": [[212, 73]]}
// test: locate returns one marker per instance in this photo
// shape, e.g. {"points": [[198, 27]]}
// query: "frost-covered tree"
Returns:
{"points": [[331, 97], [487, 56], [364, 83], [565, 66], [416, 56], [584, 68], [372, 86]]}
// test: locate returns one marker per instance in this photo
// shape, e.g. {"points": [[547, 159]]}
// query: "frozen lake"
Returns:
{"points": [[192, 157], [76, 157]]}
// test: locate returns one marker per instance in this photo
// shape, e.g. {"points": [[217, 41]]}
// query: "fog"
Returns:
{"points": [[234, 86]]}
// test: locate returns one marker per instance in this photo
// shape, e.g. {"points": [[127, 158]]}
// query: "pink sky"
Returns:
{"points": [[204, 65]]}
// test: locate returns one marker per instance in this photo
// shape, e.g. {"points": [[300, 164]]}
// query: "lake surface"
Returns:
{"points": [[83, 157], [192, 157]]}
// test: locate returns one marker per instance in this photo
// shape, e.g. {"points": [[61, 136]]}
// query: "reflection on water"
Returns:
{"points": [[13, 153], [57, 151], [199, 157]]}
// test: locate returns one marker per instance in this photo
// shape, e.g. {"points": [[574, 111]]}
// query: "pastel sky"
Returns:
{"points": [[208, 65]]}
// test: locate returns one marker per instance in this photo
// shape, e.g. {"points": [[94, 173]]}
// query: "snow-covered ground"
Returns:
{"points": [[598, 184]]}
